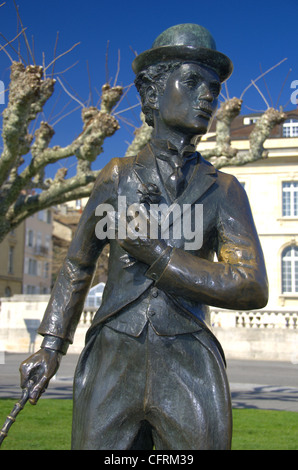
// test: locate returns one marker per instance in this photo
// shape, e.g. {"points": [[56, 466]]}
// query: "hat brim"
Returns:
{"points": [[217, 61]]}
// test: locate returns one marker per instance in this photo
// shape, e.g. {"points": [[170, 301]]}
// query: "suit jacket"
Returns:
{"points": [[180, 284]]}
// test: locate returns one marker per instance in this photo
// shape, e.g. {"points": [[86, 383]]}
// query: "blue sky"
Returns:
{"points": [[256, 35]]}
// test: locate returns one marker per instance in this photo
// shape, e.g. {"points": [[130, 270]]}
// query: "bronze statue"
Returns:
{"points": [[151, 372]]}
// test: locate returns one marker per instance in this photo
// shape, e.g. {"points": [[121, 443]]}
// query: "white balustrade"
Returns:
{"points": [[286, 319]]}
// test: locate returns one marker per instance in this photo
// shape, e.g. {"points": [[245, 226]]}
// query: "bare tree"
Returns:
{"points": [[24, 187]]}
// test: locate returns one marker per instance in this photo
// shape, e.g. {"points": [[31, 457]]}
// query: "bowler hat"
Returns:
{"points": [[188, 42]]}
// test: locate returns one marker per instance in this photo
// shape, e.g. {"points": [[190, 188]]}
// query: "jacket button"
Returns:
{"points": [[154, 292]]}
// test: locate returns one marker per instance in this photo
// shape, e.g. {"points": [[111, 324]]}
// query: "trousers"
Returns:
{"points": [[132, 393]]}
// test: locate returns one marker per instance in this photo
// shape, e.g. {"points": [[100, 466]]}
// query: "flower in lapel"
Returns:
{"points": [[150, 193]]}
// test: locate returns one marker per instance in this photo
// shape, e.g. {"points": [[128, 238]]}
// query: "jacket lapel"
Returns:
{"points": [[147, 172], [202, 178]]}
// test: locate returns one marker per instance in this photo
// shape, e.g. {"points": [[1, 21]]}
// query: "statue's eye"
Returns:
{"points": [[190, 82], [215, 89]]}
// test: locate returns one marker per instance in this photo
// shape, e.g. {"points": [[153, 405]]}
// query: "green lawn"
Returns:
{"points": [[47, 426]]}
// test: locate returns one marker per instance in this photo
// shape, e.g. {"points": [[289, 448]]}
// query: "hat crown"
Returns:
{"points": [[187, 42], [187, 34]]}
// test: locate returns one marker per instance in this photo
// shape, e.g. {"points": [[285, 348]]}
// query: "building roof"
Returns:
{"points": [[240, 130]]}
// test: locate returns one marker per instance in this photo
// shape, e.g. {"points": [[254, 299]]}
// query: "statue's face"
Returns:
{"points": [[189, 99]]}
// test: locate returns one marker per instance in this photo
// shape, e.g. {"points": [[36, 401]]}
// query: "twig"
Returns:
{"points": [[64, 115], [89, 81], [127, 109], [8, 43], [134, 52], [73, 90], [54, 106], [227, 91], [266, 102], [260, 76], [24, 34], [61, 55], [44, 65], [107, 65], [68, 68], [118, 68], [122, 97], [283, 85], [8, 55], [266, 86], [126, 121], [55, 49], [255, 110], [69, 94], [33, 47], [223, 96]]}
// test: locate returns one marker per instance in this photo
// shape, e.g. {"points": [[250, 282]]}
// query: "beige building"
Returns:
{"points": [[12, 262], [272, 188], [38, 253]]}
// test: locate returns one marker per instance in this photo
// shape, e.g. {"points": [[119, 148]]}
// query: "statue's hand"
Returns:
{"points": [[37, 370], [143, 249], [138, 241]]}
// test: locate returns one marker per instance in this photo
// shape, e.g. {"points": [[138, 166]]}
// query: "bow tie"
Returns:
{"points": [[167, 151], [173, 165]]}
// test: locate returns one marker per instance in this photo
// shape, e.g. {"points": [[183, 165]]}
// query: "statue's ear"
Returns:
{"points": [[152, 96]]}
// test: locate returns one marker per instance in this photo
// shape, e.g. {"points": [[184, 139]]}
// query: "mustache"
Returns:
{"points": [[205, 107]]}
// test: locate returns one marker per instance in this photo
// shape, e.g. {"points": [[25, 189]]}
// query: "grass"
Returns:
{"points": [[47, 426]]}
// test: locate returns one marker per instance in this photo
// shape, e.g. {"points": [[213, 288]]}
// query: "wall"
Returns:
{"points": [[262, 335]]}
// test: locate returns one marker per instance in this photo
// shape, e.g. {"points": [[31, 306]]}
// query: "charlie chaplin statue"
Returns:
{"points": [[152, 372]]}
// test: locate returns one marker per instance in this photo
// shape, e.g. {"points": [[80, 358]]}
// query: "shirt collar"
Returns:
{"points": [[165, 149]]}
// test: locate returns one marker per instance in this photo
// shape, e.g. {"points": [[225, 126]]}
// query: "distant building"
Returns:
{"points": [[12, 262], [94, 297], [38, 253], [272, 188]]}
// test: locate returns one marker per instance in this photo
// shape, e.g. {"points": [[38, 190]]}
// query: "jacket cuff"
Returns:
{"points": [[55, 343], [157, 268]]}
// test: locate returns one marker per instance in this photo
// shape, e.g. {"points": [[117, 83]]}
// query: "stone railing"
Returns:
{"points": [[282, 318], [233, 319], [87, 316]]}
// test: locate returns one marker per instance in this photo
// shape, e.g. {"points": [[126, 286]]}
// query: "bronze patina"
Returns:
{"points": [[152, 372]]}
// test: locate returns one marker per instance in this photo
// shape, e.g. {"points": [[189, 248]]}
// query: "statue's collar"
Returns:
{"points": [[166, 148]]}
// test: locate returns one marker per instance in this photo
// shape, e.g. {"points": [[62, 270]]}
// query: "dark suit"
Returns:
{"points": [[151, 367]]}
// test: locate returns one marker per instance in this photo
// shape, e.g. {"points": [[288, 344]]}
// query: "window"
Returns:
{"points": [[290, 128], [31, 290], [247, 121], [49, 216], [46, 270], [48, 239], [290, 270], [10, 260], [30, 237], [290, 199], [41, 216], [7, 292], [32, 267], [95, 295]]}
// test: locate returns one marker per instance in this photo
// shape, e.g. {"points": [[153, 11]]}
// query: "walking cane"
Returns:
{"points": [[15, 411]]}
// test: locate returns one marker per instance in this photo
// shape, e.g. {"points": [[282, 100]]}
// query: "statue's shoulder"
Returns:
{"points": [[114, 168], [230, 186], [226, 182]]}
